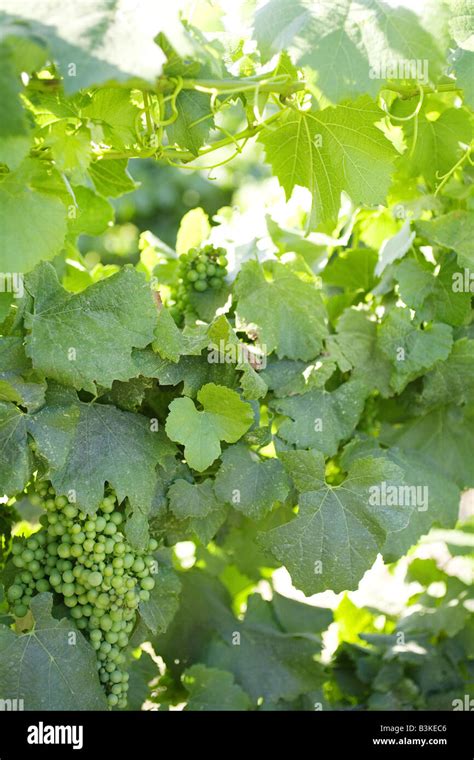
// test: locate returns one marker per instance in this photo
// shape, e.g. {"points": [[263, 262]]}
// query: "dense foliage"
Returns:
{"points": [[291, 385]]}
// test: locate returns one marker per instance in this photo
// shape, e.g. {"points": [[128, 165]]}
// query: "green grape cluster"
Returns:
{"points": [[87, 560], [200, 269]]}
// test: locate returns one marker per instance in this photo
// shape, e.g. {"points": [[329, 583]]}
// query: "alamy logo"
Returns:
{"points": [[42, 734], [403, 69], [12, 282], [386, 495], [463, 704], [11, 705], [463, 282]]}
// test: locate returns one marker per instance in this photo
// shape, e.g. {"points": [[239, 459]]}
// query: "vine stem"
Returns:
{"points": [[283, 85], [410, 92], [185, 156], [445, 177]]}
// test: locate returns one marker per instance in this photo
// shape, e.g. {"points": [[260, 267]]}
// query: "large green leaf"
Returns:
{"points": [[330, 151], [411, 350], [15, 463], [453, 378], [337, 533], [96, 40], [455, 231], [159, 610], [24, 245], [321, 419], [213, 689], [87, 338], [87, 445], [346, 43], [444, 438], [249, 483], [288, 312], [51, 667]]}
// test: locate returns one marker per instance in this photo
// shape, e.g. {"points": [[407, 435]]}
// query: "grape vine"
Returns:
{"points": [[94, 571]]}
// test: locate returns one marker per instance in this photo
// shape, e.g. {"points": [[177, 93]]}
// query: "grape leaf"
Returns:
{"points": [[111, 177], [453, 378], [194, 121], [96, 41], [12, 116], [434, 297], [346, 43], [461, 23], [44, 669], [394, 248], [321, 419], [111, 107], [411, 350], [288, 660], [24, 245], [250, 484], [87, 338], [15, 463], [192, 499], [436, 497], [297, 617], [285, 377], [454, 230], [171, 343], [443, 437], [159, 610], [439, 143], [213, 689], [357, 338], [93, 213], [337, 534], [464, 68], [226, 347], [352, 268], [87, 445], [288, 312], [330, 151], [224, 417]]}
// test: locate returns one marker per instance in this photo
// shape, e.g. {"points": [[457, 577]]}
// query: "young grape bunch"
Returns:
{"points": [[87, 561], [199, 270]]}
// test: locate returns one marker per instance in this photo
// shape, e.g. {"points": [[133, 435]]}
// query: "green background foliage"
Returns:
{"points": [[247, 435]]}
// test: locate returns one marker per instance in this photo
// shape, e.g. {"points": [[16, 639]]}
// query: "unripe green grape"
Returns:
{"points": [[20, 610], [15, 592], [28, 555], [100, 523], [147, 583], [103, 601]]}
